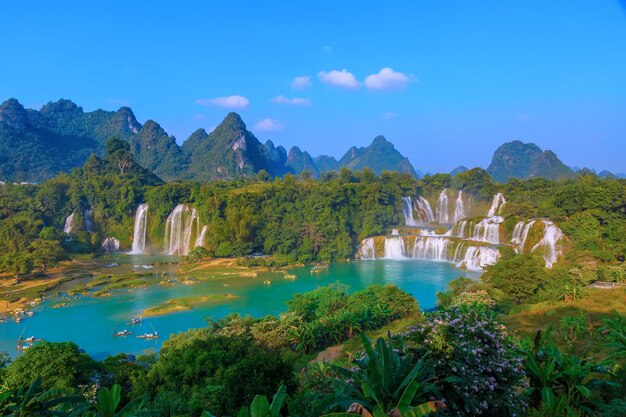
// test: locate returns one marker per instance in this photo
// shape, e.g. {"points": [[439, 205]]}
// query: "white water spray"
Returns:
{"points": [[424, 209], [442, 207], [139, 233], [394, 248], [69, 224], [407, 211], [496, 205]]}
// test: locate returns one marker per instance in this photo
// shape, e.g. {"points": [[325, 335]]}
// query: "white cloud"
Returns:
{"points": [[268, 125], [296, 101], [343, 78], [233, 102], [388, 79], [302, 82], [388, 115]]}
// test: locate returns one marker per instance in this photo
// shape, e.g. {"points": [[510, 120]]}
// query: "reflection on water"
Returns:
{"points": [[89, 321]]}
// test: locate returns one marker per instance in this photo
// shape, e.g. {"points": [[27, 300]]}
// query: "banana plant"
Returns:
{"points": [[385, 383], [33, 400], [108, 401], [562, 384]]}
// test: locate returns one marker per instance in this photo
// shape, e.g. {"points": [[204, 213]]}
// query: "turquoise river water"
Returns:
{"points": [[89, 321]]}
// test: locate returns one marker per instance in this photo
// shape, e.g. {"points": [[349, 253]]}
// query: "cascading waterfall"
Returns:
{"points": [[407, 211], [69, 224], [201, 236], [394, 248], [548, 243], [496, 205], [88, 220], [111, 245], [433, 248], [368, 249], [477, 257], [442, 207], [520, 234], [424, 210], [488, 230], [139, 233], [460, 211], [181, 226], [460, 229]]}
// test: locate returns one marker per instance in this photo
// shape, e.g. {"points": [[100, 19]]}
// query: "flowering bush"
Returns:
{"points": [[479, 369]]}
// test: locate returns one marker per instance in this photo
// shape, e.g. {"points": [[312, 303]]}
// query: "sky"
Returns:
{"points": [[446, 82]]}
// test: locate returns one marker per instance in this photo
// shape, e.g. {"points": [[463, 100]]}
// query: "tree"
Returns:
{"points": [[118, 151], [518, 277], [46, 251], [20, 263], [60, 365]]}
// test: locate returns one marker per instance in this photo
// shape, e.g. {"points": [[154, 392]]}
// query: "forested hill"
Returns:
{"points": [[526, 160], [38, 144]]}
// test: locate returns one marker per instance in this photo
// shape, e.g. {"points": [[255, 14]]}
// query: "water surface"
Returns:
{"points": [[89, 321]]}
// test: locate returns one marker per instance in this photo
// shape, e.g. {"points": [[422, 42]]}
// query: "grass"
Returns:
{"points": [[187, 303], [595, 303]]}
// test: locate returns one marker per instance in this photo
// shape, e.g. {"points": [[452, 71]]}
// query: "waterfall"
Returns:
{"points": [[394, 248], [111, 245], [424, 210], [477, 257], [460, 229], [520, 234], [139, 233], [433, 248], [548, 243], [367, 250], [460, 211], [88, 220], [488, 230], [496, 205], [69, 224], [407, 211], [442, 207], [180, 227], [201, 236]]}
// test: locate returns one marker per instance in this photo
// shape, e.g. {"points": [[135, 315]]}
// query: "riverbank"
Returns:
{"points": [[109, 274]]}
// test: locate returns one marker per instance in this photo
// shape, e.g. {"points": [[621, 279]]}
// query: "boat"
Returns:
{"points": [[319, 268], [31, 339], [135, 320], [149, 336], [121, 333], [290, 276], [154, 335]]}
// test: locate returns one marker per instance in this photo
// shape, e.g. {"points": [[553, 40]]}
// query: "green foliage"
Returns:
{"points": [[32, 400], [59, 365], [519, 277], [562, 384], [385, 383]]}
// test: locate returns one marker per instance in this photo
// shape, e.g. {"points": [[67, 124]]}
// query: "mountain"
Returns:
{"points": [[39, 144], [326, 163], [380, 156], [458, 170], [298, 161], [229, 151], [525, 160], [35, 145]]}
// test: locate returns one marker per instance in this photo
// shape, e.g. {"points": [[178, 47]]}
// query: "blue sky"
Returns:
{"points": [[445, 81]]}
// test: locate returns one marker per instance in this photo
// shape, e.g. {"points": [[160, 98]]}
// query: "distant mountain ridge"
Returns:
{"points": [[526, 160], [38, 144]]}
